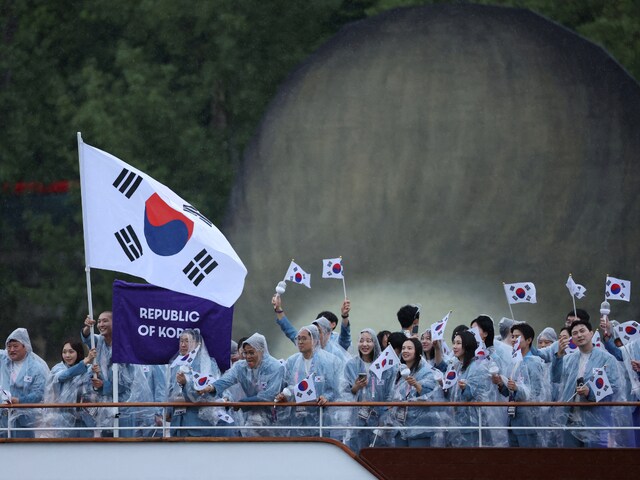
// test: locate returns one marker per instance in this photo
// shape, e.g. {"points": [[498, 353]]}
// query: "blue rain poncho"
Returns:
{"points": [[425, 417], [324, 327], [197, 361], [477, 388], [24, 380], [327, 375], [68, 384], [532, 386], [132, 387], [565, 371], [259, 384], [377, 390]]}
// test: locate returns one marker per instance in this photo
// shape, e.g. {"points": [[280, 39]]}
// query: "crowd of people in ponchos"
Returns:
{"points": [[480, 366]]}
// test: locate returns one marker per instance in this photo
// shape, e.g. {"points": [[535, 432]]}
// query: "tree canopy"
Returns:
{"points": [[174, 89]]}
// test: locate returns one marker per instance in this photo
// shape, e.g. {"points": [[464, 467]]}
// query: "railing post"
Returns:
{"points": [[480, 426], [321, 412]]}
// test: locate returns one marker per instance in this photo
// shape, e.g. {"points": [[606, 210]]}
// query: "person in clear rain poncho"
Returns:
{"points": [[69, 382], [416, 381], [472, 385], [325, 372], [575, 372], [260, 377], [132, 385], [23, 376], [526, 382], [362, 385], [189, 373]]}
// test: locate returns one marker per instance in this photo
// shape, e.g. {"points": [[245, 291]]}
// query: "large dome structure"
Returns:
{"points": [[443, 150]]}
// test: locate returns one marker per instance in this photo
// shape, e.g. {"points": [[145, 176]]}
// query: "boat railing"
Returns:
{"points": [[323, 428]]}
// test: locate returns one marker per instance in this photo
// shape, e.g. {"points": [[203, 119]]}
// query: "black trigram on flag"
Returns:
{"points": [[201, 266], [129, 242], [194, 211], [127, 182]]}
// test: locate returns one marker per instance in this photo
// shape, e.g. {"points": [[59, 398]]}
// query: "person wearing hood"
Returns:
{"points": [[259, 376], [324, 369], [23, 376], [362, 385]]}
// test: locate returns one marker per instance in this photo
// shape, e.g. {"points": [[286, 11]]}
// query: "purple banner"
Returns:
{"points": [[148, 320]]}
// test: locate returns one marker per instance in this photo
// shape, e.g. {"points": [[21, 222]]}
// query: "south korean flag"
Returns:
{"points": [[305, 391]]}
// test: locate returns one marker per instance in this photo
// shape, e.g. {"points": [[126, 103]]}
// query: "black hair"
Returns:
{"points": [[329, 316], [469, 345], [486, 324], [396, 339], [407, 315], [381, 335], [77, 346], [580, 313], [241, 342], [586, 323], [418, 355], [526, 330], [457, 330]]}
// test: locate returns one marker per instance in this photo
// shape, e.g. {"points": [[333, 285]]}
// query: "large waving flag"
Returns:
{"points": [[305, 391], [617, 289], [295, 274], [575, 289], [332, 268], [600, 384], [628, 331], [524, 292], [386, 360], [437, 329], [136, 225]]}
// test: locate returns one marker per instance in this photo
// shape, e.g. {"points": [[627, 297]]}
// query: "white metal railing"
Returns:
{"points": [[8, 412]]}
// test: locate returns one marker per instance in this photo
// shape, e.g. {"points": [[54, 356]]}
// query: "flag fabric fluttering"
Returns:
{"points": [[575, 289], [450, 377], [600, 384], [224, 416], [617, 289], [305, 390], [524, 292], [386, 360], [628, 331], [481, 350], [437, 328], [136, 225], [296, 274], [596, 340], [187, 359], [200, 382], [572, 347], [516, 352], [332, 268]]}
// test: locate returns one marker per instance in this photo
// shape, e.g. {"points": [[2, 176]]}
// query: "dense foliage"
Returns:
{"points": [[175, 88]]}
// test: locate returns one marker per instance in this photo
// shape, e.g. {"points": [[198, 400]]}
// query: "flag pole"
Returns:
{"points": [[508, 303], [573, 299], [344, 287], [87, 269]]}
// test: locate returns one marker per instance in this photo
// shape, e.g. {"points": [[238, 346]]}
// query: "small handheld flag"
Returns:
{"points": [[332, 268], [575, 289], [200, 382], [524, 292], [437, 329], [386, 360], [628, 331], [185, 359], [600, 384], [450, 377], [516, 352], [305, 391], [617, 289], [295, 274]]}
